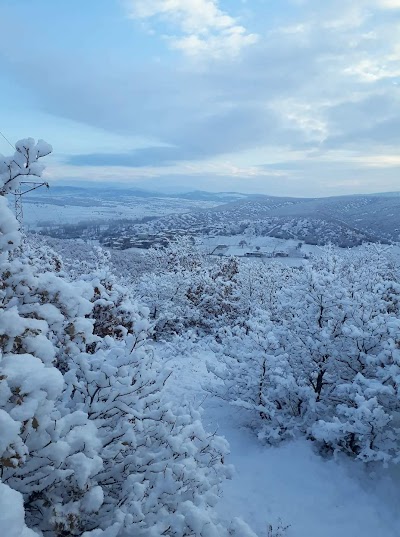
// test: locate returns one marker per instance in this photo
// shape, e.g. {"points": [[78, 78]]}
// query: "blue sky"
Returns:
{"points": [[284, 97]]}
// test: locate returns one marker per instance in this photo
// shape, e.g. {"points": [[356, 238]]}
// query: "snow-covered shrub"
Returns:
{"points": [[200, 298], [340, 341], [23, 164], [161, 470], [164, 295], [114, 310], [57, 449], [10, 237], [42, 313], [361, 425], [257, 375], [180, 255], [324, 359], [23, 334], [187, 292], [259, 287], [12, 513], [42, 256], [212, 297], [365, 421], [85, 435], [164, 288], [42, 319]]}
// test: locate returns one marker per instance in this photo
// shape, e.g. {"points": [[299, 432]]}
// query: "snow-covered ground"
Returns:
{"points": [[289, 485], [238, 245], [36, 211]]}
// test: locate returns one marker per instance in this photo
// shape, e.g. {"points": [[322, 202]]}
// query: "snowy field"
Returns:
{"points": [[289, 485], [240, 244], [268, 246], [37, 212]]}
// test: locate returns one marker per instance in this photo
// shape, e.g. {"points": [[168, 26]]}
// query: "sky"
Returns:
{"points": [[281, 97]]}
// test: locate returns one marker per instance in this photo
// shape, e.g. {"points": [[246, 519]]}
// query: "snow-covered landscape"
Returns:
{"points": [[60, 206], [231, 385], [200, 276], [108, 215], [289, 486]]}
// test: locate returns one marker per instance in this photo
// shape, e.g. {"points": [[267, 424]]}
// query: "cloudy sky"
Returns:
{"points": [[285, 97]]}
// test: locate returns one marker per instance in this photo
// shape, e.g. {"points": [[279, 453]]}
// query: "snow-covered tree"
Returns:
{"points": [[87, 441], [212, 295], [43, 320], [179, 255], [161, 470], [332, 371], [187, 292], [339, 329], [23, 164], [165, 296], [257, 376]]}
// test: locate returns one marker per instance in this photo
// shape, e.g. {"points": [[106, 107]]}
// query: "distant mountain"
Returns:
{"points": [[386, 194], [214, 196], [101, 191], [118, 192], [343, 220]]}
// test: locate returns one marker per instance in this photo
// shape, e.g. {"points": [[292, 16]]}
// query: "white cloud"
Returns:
{"points": [[316, 101], [375, 69], [389, 4], [379, 161], [205, 30]]}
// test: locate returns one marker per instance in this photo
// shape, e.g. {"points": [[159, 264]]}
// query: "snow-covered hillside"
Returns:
{"points": [[179, 393], [105, 213], [47, 209]]}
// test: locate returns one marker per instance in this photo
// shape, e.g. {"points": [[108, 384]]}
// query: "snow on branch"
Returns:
{"points": [[24, 163]]}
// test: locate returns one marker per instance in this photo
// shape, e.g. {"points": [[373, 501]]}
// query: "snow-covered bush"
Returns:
{"points": [[85, 434], [257, 375], [323, 359], [114, 310], [180, 255], [165, 296], [340, 330], [160, 470], [187, 292], [212, 297], [361, 424], [42, 321], [23, 164], [12, 513], [10, 237]]}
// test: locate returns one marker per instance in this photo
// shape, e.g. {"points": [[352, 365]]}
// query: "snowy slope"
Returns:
{"points": [[290, 483]]}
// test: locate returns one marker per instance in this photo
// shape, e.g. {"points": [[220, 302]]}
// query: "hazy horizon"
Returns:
{"points": [[175, 189]]}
